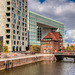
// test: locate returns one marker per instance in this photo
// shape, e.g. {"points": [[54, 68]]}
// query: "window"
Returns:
{"points": [[17, 48], [51, 46], [22, 5], [8, 8], [23, 33], [48, 51], [23, 10], [14, 4], [13, 26], [7, 25], [23, 1], [19, 8], [26, 2], [17, 27], [19, 17], [39, 34], [25, 25], [7, 42], [25, 20], [7, 36], [23, 29], [22, 24], [8, 19], [22, 38], [25, 6], [19, 22], [12, 9], [7, 14], [17, 42], [20, 48], [26, 16], [26, 39], [13, 48], [14, 42], [13, 31], [14, 37], [22, 14], [45, 51], [8, 3], [18, 37], [8, 31], [22, 43], [19, 3], [18, 32], [18, 12], [14, 20], [13, 15]]}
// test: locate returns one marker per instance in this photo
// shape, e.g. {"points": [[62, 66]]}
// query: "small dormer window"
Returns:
{"points": [[47, 39]]}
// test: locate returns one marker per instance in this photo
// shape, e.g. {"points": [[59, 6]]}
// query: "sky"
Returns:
{"points": [[60, 10]]}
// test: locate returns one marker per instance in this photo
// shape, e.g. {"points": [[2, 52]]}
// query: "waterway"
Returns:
{"points": [[43, 68]]}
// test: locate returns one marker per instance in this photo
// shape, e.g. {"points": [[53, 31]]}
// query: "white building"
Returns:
{"points": [[13, 24]]}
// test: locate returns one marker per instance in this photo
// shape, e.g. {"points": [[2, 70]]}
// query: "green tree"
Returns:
{"points": [[72, 48], [68, 48], [34, 48], [5, 49], [1, 46]]}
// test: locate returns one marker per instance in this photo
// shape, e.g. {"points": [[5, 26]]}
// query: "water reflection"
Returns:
{"points": [[43, 68]]}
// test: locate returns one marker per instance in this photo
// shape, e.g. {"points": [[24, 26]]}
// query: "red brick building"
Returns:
{"points": [[52, 43]]}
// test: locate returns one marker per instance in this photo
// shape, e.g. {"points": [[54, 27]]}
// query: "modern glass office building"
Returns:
{"points": [[40, 26]]}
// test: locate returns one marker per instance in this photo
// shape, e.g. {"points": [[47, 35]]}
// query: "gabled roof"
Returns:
{"points": [[53, 36]]}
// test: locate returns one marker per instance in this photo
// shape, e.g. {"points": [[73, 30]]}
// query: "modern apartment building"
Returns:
{"points": [[13, 24], [39, 26]]}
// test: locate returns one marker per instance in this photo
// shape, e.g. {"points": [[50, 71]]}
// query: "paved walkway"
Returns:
{"points": [[26, 56]]}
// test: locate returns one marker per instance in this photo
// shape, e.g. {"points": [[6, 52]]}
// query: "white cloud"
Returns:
{"points": [[61, 10], [70, 36]]}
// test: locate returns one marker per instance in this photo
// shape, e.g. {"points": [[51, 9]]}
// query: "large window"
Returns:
{"points": [[39, 34], [7, 25], [14, 37], [8, 31], [13, 31], [7, 36], [8, 2], [7, 42]]}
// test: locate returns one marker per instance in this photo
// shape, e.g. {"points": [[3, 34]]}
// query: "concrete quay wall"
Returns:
{"points": [[18, 61]]}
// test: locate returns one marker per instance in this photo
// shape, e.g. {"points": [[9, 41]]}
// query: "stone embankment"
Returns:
{"points": [[18, 61]]}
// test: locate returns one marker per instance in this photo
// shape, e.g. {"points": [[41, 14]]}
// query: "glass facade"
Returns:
{"points": [[36, 18]]}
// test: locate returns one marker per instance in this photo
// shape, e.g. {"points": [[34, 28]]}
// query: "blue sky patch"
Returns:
{"points": [[41, 1], [72, 0]]}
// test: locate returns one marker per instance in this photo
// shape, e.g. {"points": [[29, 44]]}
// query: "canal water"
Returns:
{"points": [[43, 68]]}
